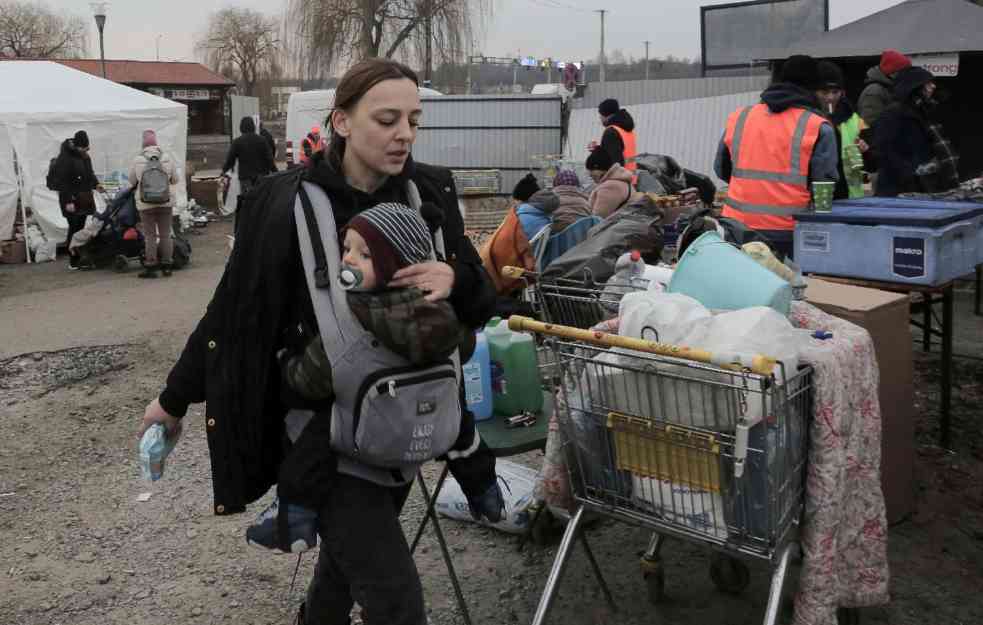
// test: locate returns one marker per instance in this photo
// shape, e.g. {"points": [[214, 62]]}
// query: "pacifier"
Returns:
{"points": [[350, 277]]}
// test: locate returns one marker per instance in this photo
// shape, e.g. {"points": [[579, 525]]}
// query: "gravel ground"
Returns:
{"points": [[82, 353]]}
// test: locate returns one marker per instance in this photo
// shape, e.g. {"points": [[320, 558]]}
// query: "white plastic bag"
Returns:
{"points": [[664, 317], [452, 503], [155, 446], [45, 252]]}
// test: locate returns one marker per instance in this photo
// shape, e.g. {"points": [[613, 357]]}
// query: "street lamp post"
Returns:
{"points": [[99, 11], [158, 46]]}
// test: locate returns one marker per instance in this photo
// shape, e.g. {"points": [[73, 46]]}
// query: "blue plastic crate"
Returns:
{"points": [[928, 246], [895, 202]]}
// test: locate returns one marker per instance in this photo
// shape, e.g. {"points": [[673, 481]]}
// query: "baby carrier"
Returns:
{"points": [[389, 416]]}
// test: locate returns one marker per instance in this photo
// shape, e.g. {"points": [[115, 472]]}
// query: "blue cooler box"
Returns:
{"points": [[878, 239], [896, 202]]}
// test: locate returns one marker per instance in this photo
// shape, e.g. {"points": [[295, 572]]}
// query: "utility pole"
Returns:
{"points": [[428, 71], [647, 59], [158, 46], [603, 59]]}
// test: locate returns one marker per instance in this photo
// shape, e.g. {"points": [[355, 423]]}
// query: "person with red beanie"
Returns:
{"points": [[878, 91]]}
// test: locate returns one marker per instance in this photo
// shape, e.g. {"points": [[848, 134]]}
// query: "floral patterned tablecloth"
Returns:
{"points": [[844, 530]]}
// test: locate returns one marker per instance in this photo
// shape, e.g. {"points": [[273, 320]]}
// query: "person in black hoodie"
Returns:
{"points": [[252, 152], [263, 132], [263, 305], [618, 139], [913, 153], [76, 182]]}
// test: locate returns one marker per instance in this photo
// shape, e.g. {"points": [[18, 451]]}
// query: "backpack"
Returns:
{"points": [[53, 179], [155, 184]]}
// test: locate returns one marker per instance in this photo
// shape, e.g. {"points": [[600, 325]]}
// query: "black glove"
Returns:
{"points": [[490, 504], [308, 373]]}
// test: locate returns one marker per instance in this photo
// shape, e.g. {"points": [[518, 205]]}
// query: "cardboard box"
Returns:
{"points": [[13, 252], [885, 316]]}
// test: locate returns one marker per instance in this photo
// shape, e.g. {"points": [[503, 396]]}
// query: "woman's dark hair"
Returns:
{"points": [[356, 82]]}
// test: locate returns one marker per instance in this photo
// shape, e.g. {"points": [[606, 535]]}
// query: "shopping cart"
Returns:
{"points": [[690, 444], [579, 303]]}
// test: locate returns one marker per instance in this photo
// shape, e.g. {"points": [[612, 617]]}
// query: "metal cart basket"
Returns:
{"points": [[703, 447]]}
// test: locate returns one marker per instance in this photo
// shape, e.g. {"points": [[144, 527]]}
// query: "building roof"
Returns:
{"points": [[150, 72], [913, 27]]}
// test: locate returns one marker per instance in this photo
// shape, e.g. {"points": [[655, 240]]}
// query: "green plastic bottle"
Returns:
{"points": [[514, 370]]}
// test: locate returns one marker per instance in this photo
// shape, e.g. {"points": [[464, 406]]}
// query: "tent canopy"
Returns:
{"points": [[43, 103], [913, 27]]}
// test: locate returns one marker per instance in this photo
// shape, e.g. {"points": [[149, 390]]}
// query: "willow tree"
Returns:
{"points": [[326, 34], [241, 44]]}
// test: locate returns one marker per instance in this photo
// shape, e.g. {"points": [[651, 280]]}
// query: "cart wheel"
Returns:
{"points": [[120, 263], [655, 580], [848, 616], [729, 574]]}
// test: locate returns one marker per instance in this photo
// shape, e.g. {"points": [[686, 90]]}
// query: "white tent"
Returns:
{"points": [[44, 103]]}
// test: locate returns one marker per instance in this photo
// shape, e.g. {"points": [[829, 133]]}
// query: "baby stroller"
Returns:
{"points": [[116, 240]]}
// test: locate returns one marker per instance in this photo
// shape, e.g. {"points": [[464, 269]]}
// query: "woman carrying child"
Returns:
{"points": [[256, 357]]}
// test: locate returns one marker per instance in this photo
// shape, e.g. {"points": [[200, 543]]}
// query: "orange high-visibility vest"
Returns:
{"points": [[770, 153], [315, 147], [631, 147]]}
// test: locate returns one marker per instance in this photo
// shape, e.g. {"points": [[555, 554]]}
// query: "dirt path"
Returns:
{"points": [[81, 354]]}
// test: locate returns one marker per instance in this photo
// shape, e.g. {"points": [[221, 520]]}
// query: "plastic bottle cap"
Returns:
{"points": [[635, 256]]}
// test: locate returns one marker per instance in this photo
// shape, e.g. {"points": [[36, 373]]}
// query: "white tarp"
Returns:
{"points": [[8, 186], [44, 103], [687, 130]]}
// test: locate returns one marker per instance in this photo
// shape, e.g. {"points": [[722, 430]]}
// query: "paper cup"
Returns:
{"points": [[822, 196]]}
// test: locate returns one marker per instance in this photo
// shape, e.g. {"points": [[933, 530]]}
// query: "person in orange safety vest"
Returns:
{"points": [[312, 144], [771, 153], [618, 139]]}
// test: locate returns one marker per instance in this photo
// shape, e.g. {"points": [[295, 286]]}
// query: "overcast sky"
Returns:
{"points": [[561, 29]]}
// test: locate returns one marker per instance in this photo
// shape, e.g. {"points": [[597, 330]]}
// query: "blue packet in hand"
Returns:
{"points": [[155, 446]]}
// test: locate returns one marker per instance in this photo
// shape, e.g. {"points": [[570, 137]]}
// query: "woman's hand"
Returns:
{"points": [[862, 145], [433, 277], [156, 414]]}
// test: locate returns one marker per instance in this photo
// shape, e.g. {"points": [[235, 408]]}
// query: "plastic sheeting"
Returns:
{"points": [[46, 103], [8, 186]]}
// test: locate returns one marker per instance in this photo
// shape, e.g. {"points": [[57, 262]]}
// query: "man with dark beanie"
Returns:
{"points": [[75, 182], [772, 152], [618, 139]]}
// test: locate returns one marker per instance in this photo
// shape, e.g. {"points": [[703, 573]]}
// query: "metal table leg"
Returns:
{"points": [[978, 308], [927, 322], [432, 515], [946, 397]]}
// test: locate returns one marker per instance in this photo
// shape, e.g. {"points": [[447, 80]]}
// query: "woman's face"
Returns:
{"points": [[381, 128], [596, 174], [357, 255]]}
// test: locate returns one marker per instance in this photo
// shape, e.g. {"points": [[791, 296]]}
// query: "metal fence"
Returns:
{"points": [[633, 92]]}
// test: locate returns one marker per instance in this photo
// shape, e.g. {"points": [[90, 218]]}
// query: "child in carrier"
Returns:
{"points": [[377, 243]]}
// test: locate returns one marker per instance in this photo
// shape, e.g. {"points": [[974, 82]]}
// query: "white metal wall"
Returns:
{"points": [[650, 91], [489, 132], [687, 130]]}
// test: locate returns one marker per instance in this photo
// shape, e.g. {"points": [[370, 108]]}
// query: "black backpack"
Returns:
{"points": [[53, 180]]}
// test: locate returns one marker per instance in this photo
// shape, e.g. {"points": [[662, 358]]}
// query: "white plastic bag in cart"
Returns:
{"points": [[665, 317], [452, 503], [680, 504]]}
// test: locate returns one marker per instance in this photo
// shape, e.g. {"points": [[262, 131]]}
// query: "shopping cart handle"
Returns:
{"points": [[513, 272], [763, 365]]}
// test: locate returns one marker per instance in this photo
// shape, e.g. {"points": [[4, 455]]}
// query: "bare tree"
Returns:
{"points": [[328, 33], [32, 30], [243, 45]]}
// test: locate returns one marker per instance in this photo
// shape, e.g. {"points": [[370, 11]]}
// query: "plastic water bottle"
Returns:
{"points": [[477, 380], [636, 266]]}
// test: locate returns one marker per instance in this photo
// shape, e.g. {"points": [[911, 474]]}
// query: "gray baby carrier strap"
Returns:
{"points": [[388, 416]]}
